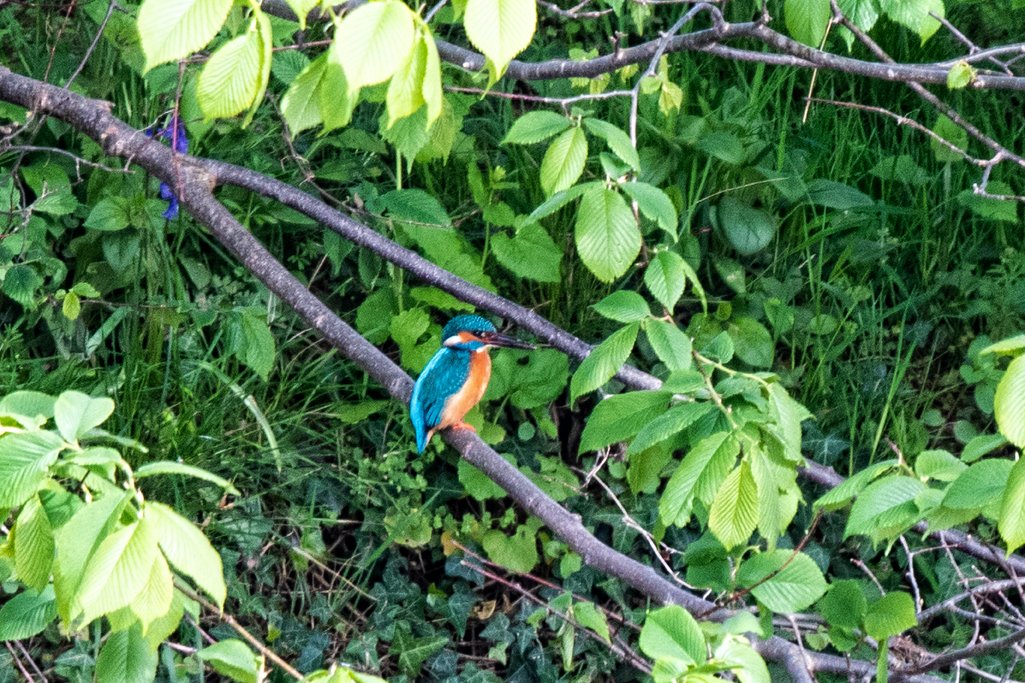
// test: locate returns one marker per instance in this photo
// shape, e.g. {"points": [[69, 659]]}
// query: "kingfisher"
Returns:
{"points": [[456, 376]]}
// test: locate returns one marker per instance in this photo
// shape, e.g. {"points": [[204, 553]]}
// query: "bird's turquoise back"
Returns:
{"points": [[445, 374]]}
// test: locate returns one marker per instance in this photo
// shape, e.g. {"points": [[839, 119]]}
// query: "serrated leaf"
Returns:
{"points": [[654, 204], [300, 107], [405, 90], [117, 571], [530, 254], [33, 545], [752, 343], [302, 8], [748, 230], [1011, 524], [71, 307], [620, 417], [915, 15], [27, 614], [1009, 402], [21, 282], [665, 278], [616, 139], [844, 605], [672, 633], [783, 581], [623, 306], [668, 424], [670, 344], [76, 413], [603, 362], [559, 200], [25, 458], [890, 615], [939, 465], [109, 215], [154, 600], [536, 126], [172, 29], [877, 500], [807, 20], [588, 616], [981, 445], [977, 486], [432, 91], [374, 41], [188, 550], [952, 133], [258, 346], [500, 29], [834, 195], [231, 657], [734, 513], [563, 161], [230, 80], [607, 236], [697, 476], [126, 657], [960, 75]]}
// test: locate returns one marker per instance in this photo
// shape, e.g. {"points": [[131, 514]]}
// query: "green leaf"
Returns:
{"points": [[1012, 345], [783, 581], [257, 350], [517, 553], [302, 8], [117, 572], [433, 94], [886, 503], [981, 445], [232, 658], [126, 657], [1005, 210], [76, 413], [109, 214], [172, 29], [25, 459], [1009, 403], [1011, 524], [230, 80], [844, 605], [71, 307], [788, 415], [33, 406], [939, 465], [563, 161], [21, 283], [530, 254], [300, 106], [952, 133], [670, 344], [374, 40], [623, 306], [834, 195], [960, 75], [699, 475], [734, 513], [654, 204], [603, 362], [672, 633], [27, 614], [617, 140], [187, 549], [170, 467], [915, 15], [336, 99], [588, 616], [405, 90], [890, 615], [33, 545], [977, 486], [479, 485], [500, 29], [665, 279], [413, 652], [606, 234], [807, 20], [747, 229], [560, 199], [536, 126], [154, 600], [842, 494], [620, 417], [752, 343], [668, 424]]}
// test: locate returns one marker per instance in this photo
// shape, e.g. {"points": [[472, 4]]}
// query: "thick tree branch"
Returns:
{"points": [[193, 182]]}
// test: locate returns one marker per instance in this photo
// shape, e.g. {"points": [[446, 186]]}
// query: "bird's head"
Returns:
{"points": [[474, 333]]}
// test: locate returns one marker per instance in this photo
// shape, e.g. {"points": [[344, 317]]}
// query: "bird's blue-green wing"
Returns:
{"points": [[444, 375]]}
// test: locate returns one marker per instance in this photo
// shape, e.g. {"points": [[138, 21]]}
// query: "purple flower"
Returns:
{"points": [[175, 134]]}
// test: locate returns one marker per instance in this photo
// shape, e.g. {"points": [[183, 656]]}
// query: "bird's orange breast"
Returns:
{"points": [[460, 403]]}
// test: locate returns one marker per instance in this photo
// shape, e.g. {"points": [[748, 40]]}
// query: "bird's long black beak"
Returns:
{"points": [[499, 339]]}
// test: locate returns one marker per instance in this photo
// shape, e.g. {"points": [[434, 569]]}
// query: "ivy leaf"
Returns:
{"points": [[807, 20], [373, 40], [603, 362], [172, 29], [563, 161], [536, 126], [734, 513], [500, 29], [607, 236], [794, 581]]}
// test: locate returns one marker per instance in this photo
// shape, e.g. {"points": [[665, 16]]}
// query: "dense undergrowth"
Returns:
{"points": [[872, 303]]}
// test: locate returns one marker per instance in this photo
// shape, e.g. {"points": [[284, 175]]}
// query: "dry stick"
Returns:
{"points": [[193, 184]]}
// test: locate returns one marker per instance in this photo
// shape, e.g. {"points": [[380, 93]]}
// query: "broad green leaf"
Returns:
{"points": [[960, 75], [670, 344], [1009, 403], [154, 600], [807, 20], [788, 414], [654, 204], [617, 140], [665, 279], [563, 161], [25, 458], [890, 615], [234, 659], [1004, 210], [952, 133], [886, 503], [170, 467], [699, 475], [623, 306], [752, 343], [479, 485], [536, 126], [126, 657], [172, 29], [405, 90], [336, 98], [517, 553], [500, 29], [620, 417], [834, 195], [530, 254], [230, 80], [939, 465], [265, 37], [842, 494], [915, 15], [71, 307], [258, 346], [844, 605], [561, 199], [981, 445], [864, 14], [979, 485], [783, 581], [76, 413], [734, 513], [374, 41], [668, 424], [117, 572], [302, 8], [34, 406], [33, 545], [187, 549], [603, 362], [21, 284], [607, 236], [588, 616], [644, 469], [300, 107], [27, 614], [161, 628], [1012, 510], [902, 169], [748, 230], [109, 214], [433, 94], [1012, 345], [672, 633]]}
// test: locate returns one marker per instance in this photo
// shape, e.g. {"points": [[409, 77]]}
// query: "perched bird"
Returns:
{"points": [[456, 376]]}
